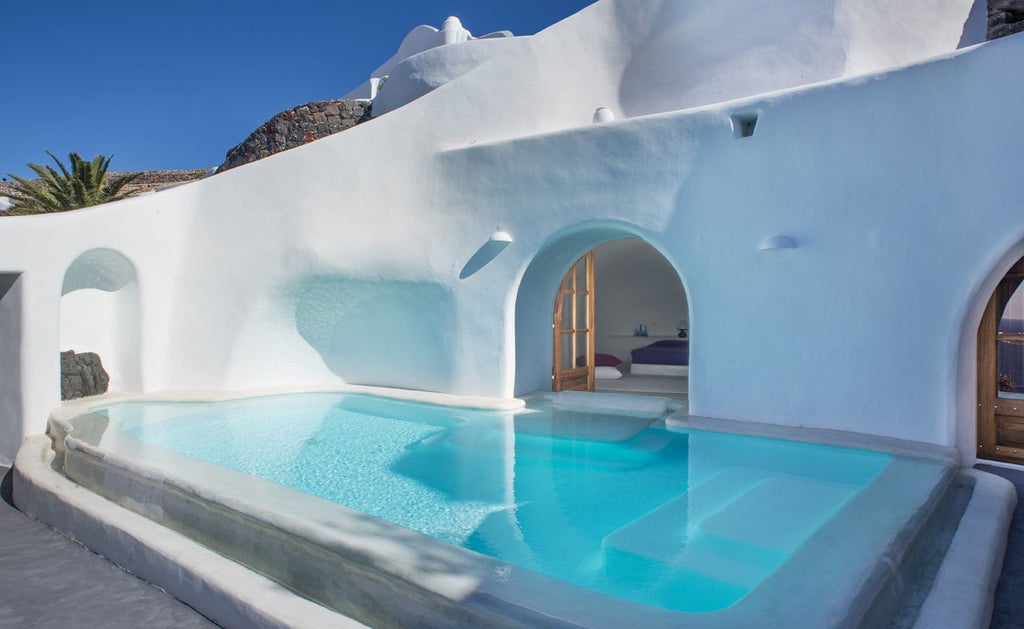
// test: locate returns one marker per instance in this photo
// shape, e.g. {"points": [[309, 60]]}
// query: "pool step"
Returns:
{"points": [[735, 527], [666, 530], [779, 513]]}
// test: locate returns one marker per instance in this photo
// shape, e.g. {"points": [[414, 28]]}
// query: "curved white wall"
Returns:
{"points": [[422, 73], [341, 259], [698, 53]]}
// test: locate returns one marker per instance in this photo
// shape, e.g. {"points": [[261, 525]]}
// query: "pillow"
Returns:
{"points": [[600, 360], [607, 373]]}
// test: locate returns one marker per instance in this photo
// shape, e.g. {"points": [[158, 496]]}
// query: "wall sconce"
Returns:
{"points": [[603, 114], [743, 124], [778, 242], [490, 250]]}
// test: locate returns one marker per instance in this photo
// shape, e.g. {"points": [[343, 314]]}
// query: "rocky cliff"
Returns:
{"points": [[298, 126], [1005, 17]]}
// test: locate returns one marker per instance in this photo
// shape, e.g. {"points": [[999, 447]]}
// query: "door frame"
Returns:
{"points": [[999, 418], [575, 377]]}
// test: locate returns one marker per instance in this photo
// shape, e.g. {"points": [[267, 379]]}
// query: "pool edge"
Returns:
{"points": [[964, 589], [215, 586]]}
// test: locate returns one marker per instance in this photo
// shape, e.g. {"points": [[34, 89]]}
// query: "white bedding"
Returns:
{"points": [[644, 369]]}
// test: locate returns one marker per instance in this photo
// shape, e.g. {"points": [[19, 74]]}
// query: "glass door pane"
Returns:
{"points": [[568, 356], [581, 349], [1010, 348]]}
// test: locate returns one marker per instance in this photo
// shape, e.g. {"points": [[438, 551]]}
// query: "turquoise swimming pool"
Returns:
{"points": [[688, 521]]}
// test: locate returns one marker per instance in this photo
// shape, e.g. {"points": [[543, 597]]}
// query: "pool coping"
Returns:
{"points": [[681, 420], [964, 589], [221, 589], [411, 395], [833, 616]]}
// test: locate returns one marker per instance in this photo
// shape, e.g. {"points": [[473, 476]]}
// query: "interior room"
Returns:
{"points": [[641, 321]]}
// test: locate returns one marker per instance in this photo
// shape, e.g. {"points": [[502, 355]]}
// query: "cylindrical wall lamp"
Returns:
{"points": [[778, 242]]}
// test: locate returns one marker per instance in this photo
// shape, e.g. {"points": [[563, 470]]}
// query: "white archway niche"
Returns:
{"points": [[99, 312]]}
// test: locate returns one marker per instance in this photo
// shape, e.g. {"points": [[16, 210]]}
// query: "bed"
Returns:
{"points": [[667, 357]]}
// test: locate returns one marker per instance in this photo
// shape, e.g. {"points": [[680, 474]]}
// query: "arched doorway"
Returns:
{"points": [[1000, 369], [636, 299]]}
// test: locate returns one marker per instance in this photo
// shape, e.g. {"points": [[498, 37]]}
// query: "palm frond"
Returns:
{"points": [[84, 184]]}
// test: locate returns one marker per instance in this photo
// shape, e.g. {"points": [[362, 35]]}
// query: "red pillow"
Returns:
{"points": [[600, 360]]}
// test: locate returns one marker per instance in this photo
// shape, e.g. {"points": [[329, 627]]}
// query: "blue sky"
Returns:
{"points": [[167, 85]]}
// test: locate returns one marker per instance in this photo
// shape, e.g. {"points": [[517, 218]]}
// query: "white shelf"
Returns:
{"points": [[621, 345]]}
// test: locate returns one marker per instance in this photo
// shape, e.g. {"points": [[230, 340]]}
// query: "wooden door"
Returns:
{"points": [[1001, 371], [573, 362]]}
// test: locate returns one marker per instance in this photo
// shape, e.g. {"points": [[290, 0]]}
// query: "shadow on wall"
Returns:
{"points": [[101, 269], [10, 366], [379, 332]]}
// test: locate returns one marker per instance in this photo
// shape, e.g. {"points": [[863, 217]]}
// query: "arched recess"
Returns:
{"points": [[99, 312], [614, 325]]}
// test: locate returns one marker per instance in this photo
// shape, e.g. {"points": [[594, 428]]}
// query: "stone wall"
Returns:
{"points": [[1005, 17], [150, 180], [298, 126]]}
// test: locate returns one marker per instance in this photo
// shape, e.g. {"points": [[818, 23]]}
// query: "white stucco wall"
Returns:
{"points": [[341, 259], [417, 75], [705, 52]]}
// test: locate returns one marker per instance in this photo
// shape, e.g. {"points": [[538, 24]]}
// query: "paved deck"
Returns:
{"points": [[47, 580], [1009, 607]]}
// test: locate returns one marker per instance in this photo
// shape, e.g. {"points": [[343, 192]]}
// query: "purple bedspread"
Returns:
{"points": [[665, 352]]}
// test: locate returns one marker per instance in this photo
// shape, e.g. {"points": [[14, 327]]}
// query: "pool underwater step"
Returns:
{"points": [[669, 525], [742, 504], [778, 513], [735, 527]]}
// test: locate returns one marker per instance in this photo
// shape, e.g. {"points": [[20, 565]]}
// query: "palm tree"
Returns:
{"points": [[86, 184]]}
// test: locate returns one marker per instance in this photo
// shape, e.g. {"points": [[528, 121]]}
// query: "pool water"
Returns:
{"points": [[688, 521]]}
